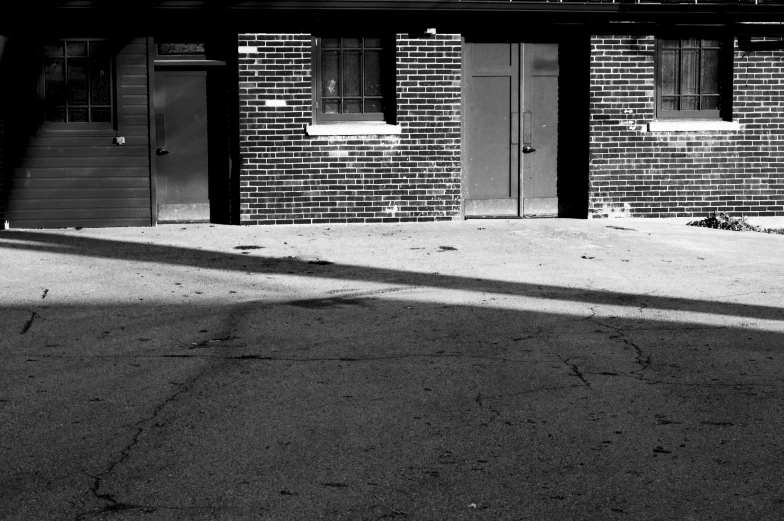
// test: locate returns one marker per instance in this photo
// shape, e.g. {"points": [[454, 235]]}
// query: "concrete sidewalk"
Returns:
{"points": [[483, 369]]}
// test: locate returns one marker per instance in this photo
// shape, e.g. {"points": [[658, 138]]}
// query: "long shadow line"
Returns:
{"points": [[209, 259]]}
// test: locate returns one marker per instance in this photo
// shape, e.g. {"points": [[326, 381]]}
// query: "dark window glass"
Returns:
{"points": [[689, 77], [350, 74], [77, 82]]}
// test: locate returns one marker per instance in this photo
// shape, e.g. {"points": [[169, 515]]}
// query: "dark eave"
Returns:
{"points": [[265, 15]]}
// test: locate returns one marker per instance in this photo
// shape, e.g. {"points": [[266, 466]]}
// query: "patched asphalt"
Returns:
{"points": [[483, 369]]}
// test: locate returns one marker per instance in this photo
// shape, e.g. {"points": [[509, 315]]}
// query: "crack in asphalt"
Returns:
{"points": [[29, 322], [353, 359], [480, 402], [113, 504], [264, 358], [576, 372], [640, 358]]}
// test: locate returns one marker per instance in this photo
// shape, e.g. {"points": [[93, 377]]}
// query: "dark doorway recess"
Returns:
{"points": [[573, 130]]}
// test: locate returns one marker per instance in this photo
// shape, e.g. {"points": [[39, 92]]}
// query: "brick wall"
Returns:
{"points": [[637, 173], [290, 177]]}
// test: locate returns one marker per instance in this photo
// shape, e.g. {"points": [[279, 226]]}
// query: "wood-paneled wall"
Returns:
{"points": [[81, 178]]}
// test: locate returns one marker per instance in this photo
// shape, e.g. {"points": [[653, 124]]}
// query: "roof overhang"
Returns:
{"points": [[260, 15]]}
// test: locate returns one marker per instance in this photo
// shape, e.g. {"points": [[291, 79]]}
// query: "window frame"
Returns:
{"points": [[387, 86], [725, 72], [77, 126]]}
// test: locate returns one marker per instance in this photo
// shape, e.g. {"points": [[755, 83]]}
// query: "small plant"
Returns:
{"points": [[723, 221]]}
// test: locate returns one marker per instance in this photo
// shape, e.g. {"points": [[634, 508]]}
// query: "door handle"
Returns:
{"points": [[528, 149], [161, 152]]}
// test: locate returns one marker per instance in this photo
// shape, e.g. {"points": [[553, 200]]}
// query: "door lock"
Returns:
{"points": [[161, 152], [528, 149]]}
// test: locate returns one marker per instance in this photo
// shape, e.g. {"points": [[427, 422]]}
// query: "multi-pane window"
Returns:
{"points": [[77, 82], [690, 76], [348, 79]]}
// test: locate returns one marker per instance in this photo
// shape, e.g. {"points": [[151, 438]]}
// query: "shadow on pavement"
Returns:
{"points": [[387, 407]]}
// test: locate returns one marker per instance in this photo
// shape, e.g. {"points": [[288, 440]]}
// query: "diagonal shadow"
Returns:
{"points": [[193, 257]]}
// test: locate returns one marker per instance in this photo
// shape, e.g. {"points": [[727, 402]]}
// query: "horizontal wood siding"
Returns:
{"points": [[67, 179], [2, 135]]}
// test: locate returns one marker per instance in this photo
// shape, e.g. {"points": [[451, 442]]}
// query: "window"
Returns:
{"points": [[691, 78], [77, 83], [350, 82]]}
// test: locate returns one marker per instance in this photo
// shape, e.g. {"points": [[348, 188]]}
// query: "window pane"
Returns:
{"points": [[690, 72], [77, 82], [373, 105], [77, 116], [100, 86], [100, 115], [710, 72], [330, 107], [55, 82], [669, 103], [692, 43], [330, 43], [690, 103], [372, 73], [76, 48], [329, 74], [352, 42], [671, 44], [709, 103], [54, 49], [55, 114], [99, 48], [181, 48], [669, 72], [352, 106], [352, 79], [372, 42], [711, 43]]}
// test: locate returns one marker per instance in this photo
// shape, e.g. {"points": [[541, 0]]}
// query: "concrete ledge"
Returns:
{"points": [[353, 129], [693, 125]]}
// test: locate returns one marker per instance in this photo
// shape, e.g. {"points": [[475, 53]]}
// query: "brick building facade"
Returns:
{"points": [[638, 170], [572, 109], [291, 177]]}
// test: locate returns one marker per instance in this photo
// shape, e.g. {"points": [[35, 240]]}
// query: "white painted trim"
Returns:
{"points": [[247, 49], [693, 125], [353, 129]]}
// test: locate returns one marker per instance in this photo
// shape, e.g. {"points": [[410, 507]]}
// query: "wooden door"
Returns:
{"points": [[181, 146], [511, 129]]}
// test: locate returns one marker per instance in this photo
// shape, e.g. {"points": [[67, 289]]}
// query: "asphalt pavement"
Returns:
{"points": [[483, 369]]}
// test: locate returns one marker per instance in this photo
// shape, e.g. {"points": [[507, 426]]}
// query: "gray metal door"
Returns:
{"points": [[511, 129]]}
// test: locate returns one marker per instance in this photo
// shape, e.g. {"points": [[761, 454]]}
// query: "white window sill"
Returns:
{"points": [[353, 129], [693, 125]]}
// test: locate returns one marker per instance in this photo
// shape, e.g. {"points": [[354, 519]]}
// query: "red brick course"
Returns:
{"points": [[288, 177], [637, 173]]}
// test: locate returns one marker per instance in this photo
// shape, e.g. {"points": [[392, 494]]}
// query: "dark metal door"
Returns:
{"points": [[540, 129], [492, 101], [511, 129], [182, 173]]}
